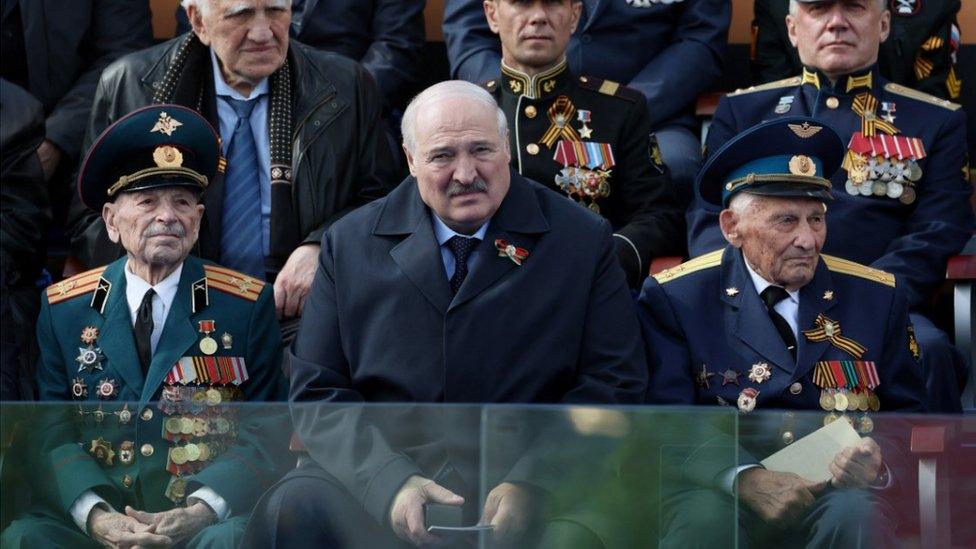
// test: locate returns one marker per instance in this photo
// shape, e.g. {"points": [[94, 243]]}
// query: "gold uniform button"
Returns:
{"points": [[127, 481], [532, 149], [530, 111], [796, 388], [833, 102], [147, 414], [147, 450], [787, 437], [584, 79]]}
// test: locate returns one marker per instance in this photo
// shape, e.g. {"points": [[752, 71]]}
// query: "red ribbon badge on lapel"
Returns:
{"points": [[518, 255]]}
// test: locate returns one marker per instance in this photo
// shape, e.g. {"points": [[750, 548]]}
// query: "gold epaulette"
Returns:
{"points": [[611, 88], [921, 96], [233, 282], [707, 261], [784, 83], [844, 266], [80, 284]]}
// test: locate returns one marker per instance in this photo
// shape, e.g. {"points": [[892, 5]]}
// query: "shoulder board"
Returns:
{"points": [[707, 261], [844, 266], [784, 83], [490, 85], [233, 282], [80, 284], [921, 96], [611, 88]]}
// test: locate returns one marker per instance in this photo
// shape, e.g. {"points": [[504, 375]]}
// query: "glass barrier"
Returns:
{"points": [[205, 472]]}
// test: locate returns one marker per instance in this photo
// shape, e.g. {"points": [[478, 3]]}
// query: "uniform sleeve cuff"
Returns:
{"points": [[213, 500], [82, 507], [726, 479]]}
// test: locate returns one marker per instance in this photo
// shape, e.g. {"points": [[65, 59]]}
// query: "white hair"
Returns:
{"points": [[445, 90], [203, 6], [743, 203], [883, 4]]}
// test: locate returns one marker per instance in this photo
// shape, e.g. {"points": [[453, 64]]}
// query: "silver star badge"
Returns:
{"points": [[828, 295], [732, 292]]}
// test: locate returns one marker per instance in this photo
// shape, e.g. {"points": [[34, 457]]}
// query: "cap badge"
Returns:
{"points": [[805, 129], [802, 165], [167, 156], [166, 124]]}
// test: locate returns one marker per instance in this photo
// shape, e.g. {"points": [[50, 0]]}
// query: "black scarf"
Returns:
{"points": [[187, 82]]}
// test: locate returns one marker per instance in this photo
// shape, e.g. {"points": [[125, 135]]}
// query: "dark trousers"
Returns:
{"points": [[944, 368], [838, 518]]}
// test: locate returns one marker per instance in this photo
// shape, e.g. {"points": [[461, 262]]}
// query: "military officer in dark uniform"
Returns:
{"points": [[767, 322], [148, 348], [671, 52], [584, 137], [901, 197], [920, 51]]}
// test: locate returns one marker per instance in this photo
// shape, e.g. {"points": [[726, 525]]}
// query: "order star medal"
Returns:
{"points": [[208, 345], [89, 358]]}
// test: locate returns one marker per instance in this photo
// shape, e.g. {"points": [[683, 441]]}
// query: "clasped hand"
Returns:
{"points": [[141, 529]]}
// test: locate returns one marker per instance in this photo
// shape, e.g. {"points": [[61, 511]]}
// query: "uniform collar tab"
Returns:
{"points": [[854, 82], [538, 86]]}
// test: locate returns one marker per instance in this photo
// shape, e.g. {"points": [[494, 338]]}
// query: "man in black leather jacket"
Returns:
{"points": [[319, 139]]}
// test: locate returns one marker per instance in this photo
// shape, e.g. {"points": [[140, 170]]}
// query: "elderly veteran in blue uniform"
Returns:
{"points": [[466, 284], [143, 351], [770, 323], [901, 198]]}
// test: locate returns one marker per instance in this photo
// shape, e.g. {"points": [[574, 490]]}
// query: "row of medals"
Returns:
{"points": [[842, 400], [583, 183], [880, 176]]}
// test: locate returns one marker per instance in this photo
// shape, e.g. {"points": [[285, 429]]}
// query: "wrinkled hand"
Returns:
{"points": [[510, 508], [778, 498], [50, 156], [857, 466], [293, 283], [180, 523], [407, 511], [112, 529]]}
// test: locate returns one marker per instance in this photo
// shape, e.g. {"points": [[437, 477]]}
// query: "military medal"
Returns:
{"points": [[208, 345], [205, 452], [79, 389], [176, 489], [584, 118], [830, 418], [759, 372], [730, 376], [826, 329], [125, 415], [865, 425], [213, 397], [102, 451], [98, 414], [192, 452], [227, 340], [702, 377], [826, 400], [89, 357], [106, 388], [586, 170], [127, 453], [516, 254], [747, 399]]}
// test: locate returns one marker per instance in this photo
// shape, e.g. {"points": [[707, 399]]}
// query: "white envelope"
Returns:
{"points": [[810, 456]]}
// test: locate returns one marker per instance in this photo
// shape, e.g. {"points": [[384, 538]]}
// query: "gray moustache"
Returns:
{"points": [[457, 189], [157, 229]]}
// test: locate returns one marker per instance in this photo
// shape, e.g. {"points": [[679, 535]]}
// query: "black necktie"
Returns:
{"points": [[771, 296], [461, 247], [143, 329]]}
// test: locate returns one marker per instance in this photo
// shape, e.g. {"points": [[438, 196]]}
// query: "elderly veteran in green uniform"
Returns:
{"points": [[768, 323], [147, 349], [587, 138]]}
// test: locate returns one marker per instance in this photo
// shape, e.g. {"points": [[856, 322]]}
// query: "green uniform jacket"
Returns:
{"points": [[239, 467]]}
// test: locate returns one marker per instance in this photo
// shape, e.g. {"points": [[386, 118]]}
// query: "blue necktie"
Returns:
{"points": [[241, 235], [461, 247]]}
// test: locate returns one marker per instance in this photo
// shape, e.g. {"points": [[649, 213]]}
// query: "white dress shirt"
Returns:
{"points": [[789, 309]]}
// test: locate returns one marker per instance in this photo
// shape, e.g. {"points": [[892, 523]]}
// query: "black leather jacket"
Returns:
{"points": [[340, 155]]}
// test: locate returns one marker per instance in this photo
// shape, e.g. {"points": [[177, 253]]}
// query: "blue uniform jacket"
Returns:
{"points": [[912, 241], [670, 52], [706, 314]]}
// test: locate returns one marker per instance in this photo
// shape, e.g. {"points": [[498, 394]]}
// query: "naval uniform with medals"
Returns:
{"points": [[590, 140], [901, 199]]}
